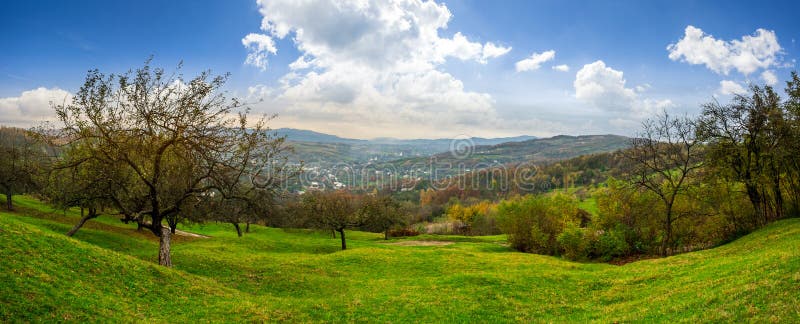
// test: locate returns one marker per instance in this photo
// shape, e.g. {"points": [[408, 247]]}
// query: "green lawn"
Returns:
{"points": [[106, 273]]}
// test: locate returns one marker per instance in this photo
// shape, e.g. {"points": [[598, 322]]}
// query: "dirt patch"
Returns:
{"points": [[421, 243], [190, 234]]}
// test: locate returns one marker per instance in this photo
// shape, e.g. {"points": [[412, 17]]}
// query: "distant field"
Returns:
{"points": [[107, 273]]}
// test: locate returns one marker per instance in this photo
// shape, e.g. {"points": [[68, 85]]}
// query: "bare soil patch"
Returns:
{"points": [[190, 234]]}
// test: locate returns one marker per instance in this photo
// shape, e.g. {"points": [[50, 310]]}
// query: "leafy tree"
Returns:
{"points": [[22, 158], [791, 142], [76, 181], [747, 143], [381, 213], [335, 211], [175, 140], [664, 156]]}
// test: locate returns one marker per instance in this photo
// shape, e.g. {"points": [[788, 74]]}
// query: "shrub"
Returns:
{"points": [[610, 244], [574, 242], [534, 222], [401, 232]]}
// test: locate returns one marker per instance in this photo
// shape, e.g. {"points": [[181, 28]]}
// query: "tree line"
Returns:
{"points": [[682, 184]]}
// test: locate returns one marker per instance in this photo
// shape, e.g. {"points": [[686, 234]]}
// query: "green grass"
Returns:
{"points": [[107, 273], [590, 205]]}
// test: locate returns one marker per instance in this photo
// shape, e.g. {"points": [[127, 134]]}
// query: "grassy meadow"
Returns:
{"points": [[108, 272]]}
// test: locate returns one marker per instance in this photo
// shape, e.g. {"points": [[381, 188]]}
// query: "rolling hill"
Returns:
{"points": [[541, 150], [107, 273], [318, 147]]}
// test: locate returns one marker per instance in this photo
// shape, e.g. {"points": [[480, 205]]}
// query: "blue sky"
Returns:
{"points": [[436, 77]]}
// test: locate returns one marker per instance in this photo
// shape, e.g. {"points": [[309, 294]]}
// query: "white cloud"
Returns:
{"points": [[642, 87], [758, 51], [727, 87], [375, 64], [258, 47], [769, 77], [31, 106], [490, 50], [535, 61], [604, 88], [562, 68]]}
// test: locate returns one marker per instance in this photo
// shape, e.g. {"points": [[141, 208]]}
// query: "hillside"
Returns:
{"points": [[540, 150], [106, 274], [323, 148]]}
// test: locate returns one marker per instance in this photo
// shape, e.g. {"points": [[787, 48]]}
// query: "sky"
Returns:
{"points": [[412, 69]]}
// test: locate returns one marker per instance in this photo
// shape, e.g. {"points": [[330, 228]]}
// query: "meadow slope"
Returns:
{"points": [[107, 272]]}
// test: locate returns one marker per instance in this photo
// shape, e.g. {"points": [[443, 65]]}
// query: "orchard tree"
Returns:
{"points": [[381, 213], [22, 157], [246, 193], [664, 156], [76, 181], [174, 139], [336, 211]]}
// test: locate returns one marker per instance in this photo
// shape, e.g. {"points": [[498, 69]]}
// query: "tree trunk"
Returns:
{"points": [[238, 229], [386, 235], [755, 199], [776, 184], [92, 214], [334, 233], [164, 258], [247, 228], [9, 204], [344, 243], [665, 242]]}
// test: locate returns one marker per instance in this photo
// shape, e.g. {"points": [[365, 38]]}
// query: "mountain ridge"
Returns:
{"points": [[304, 135]]}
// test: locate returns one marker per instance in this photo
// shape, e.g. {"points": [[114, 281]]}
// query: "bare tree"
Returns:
{"points": [[173, 139], [664, 155]]}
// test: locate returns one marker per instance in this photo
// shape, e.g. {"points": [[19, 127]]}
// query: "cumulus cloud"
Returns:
{"points": [[727, 87], [258, 47], [31, 106], [535, 61], [758, 51], [490, 50], [374, 63], [562, 68], [605, 88], [769, 77]]}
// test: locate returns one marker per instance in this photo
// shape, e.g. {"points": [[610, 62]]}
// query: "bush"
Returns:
{"points": [[402, 232], [575, 242], [610, 244], [534, 222]]}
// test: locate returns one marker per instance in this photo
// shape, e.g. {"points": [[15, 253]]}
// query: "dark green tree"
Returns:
{"points": [[22, 159]]}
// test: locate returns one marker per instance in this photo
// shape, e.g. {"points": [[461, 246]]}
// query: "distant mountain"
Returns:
{"points": [[540, 150], [301, 135], [324, 149], [445, 142], [311, 146]]}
